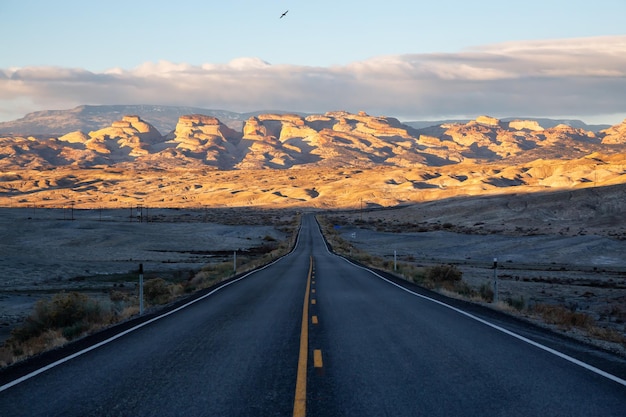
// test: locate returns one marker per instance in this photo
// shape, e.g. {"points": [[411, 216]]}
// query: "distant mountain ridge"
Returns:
{"points": [[87, 118], [543, 122]]}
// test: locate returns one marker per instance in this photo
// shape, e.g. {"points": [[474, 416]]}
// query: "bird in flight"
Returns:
{"points": [[284, 14]]}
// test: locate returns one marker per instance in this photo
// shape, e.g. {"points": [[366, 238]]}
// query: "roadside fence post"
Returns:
{"points": [[140, 289], [395, 260], [495, 280]]}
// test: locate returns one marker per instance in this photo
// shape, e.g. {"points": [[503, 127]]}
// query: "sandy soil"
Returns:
{"points": [[48, 250]]}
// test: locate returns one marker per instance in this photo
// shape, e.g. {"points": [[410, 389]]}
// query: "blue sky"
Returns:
{"points": [[409, 59]]}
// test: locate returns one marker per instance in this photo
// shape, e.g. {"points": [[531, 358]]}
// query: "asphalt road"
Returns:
{"points": [[371, 348]]}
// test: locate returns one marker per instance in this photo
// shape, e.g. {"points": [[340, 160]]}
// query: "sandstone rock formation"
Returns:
{"points": [[329, 160], [206, 138], [615, 135], [127, 138], [525, 125], [487, 121]]}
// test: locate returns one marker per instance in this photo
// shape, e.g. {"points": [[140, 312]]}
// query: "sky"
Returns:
{"points": [[414, 60]]}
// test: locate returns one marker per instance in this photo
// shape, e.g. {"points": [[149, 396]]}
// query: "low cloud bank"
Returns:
{"points": [[574, 77]]}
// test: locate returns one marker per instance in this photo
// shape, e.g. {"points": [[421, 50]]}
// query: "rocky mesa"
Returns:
{"points": [[326, 160]]}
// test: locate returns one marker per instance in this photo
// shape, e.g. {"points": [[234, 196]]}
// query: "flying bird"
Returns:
{"points": [[284, 14]]}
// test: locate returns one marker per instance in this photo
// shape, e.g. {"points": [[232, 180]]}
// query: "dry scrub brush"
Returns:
{"points": [[53, 322], [342, 247], [439, 277], [158, 291], [566, 319], [70, 313]]}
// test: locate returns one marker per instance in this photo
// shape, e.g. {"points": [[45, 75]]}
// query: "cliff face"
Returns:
{"points": [[205, 138], [525, 125], [334, 139], [490, 139], [336, 159], [125, 139], [615, 135]]}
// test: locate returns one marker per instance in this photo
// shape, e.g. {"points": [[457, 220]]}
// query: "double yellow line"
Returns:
{"points": [[299, 406]]}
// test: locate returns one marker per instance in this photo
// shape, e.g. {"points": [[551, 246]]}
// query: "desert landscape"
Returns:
{"points": [[82, 209], [48, 251], [332, 160], [561, 249]]}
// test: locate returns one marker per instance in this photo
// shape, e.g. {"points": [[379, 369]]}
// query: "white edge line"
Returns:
{"points": [[494, 326], [132, 329]]}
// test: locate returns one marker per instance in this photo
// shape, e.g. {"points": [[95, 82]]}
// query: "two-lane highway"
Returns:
{"points": [[390, 352], [315, 335], [234, 353]]}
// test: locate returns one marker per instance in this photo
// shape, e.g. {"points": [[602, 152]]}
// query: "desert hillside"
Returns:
{"points": [[331, 160]]}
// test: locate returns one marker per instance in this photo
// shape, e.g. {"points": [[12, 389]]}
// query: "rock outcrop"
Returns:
{"points": [[487, 121], [336, 159], [531, 125], [207, 138], [333, 139], [75, 137], [124, 139], [615, 135]]}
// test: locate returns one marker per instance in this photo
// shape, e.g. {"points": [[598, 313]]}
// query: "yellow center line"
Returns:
{"points": [[313, 301], [317, 358], [314, 320], [299, 405]]}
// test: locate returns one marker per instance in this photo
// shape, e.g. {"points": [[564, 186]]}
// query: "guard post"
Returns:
{"points": [[495, 280], [140, 289]]}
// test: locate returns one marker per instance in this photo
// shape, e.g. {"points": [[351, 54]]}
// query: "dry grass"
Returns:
{"points": [[563, 317], [566, 319], [446, 278], [53, 322]]}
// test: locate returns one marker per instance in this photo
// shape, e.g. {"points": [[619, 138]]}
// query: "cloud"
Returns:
{"points": [[583, 77]]}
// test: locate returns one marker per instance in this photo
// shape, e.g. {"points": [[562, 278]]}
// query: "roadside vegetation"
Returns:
{"points": [[448, 280], [445, 278], [68, 316]]}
